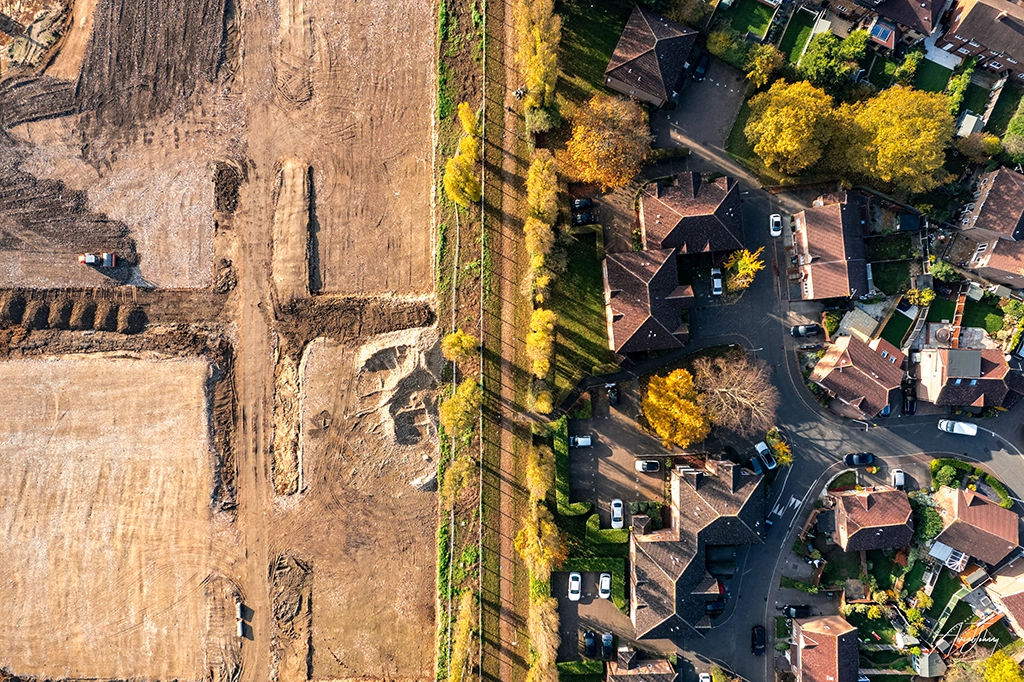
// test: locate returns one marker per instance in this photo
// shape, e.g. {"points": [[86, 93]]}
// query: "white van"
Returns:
{"points": [[960, 428], [579, 441]]}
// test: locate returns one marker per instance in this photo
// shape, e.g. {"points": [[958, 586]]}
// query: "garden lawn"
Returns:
{"points": [[782, 630], [749, 16], [980, 314], [866, 626], [1006, 106], [941, 309], [882, 72], [798, 33], [896, 328], [840, 566], [915, 578], [847, 479], [581, 341], [999, 632], [590, 32], [961, 617], [931, 77], [892, 247], [740, 149], [975, 99], [891, 277], [882, 568], [945, 587]]}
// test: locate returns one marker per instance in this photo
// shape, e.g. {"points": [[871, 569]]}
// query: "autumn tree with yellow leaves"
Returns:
{"points": [[790, 125], [461, 172], [542, 627], [740, 268], [462, 639], [540, 472], [762, 63], [539, 542], [542, 205], [673, 410], [540, 342], [539, 31], [610, 141], [459, 412], [459, 346]]}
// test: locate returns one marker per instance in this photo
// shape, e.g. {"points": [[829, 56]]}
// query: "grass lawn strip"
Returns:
{"points": [[847, 479], [749, 16], [868, 628], [581, 335], [589, 35], [882, 72], [941, 309], [975, 99], [945, 587], [980, 314], [798, 33], [840, 566], [896, 329], [1006, 106], [892, 247], [882, 568], [931, 77], [891, 277], [915, 578]]}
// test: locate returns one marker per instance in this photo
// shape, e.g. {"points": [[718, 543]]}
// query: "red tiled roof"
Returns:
{"points": [[826, 650], [1000, 208], [873, 520], [976, 525], [830, 241], [920, 15], [859, 375], [651, 53], [692, 216], [996, 24]]}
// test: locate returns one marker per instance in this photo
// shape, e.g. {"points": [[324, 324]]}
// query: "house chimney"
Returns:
{"points": [[693, 478], [627, 658]]}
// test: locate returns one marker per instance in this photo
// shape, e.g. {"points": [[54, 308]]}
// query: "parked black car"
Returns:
{"points": [[589, 643], [606, 646], [702, 68], [613, 394], [716, 605], [909, 402], [859, 459], [583, 219], [796, 611], [581, 204], [805, 330], [757, 640]]}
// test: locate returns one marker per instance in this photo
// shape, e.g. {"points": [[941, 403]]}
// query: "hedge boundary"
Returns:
{"points": [[604, 536], [967, 468]]}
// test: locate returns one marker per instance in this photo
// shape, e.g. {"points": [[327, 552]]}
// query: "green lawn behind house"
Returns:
{"points": [[891, 277], [748, 16], [975, 99], [578, 298], [882, 72], [882, 566], [740, 149], [891, 247], [1006, 106], [941, 309], [985, 315], [896, 328], [915, 578], [797, 34], [840, 566], [869, 627], [590, 32], [945, 587], [931, 77]]}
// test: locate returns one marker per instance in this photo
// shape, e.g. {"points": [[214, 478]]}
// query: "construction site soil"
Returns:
{"points": [[221, 467]]}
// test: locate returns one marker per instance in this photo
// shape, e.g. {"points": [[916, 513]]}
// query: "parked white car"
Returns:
{"points": [[617, 519], [899, 479], [775, 222], [716, 282], [575, 586], [960, 428], [604, 586]]}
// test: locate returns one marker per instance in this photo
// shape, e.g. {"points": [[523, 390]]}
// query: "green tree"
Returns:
{"points": [[944, 272], [763, 61], [829, 61], [924, 601], [458, 413], [921, 297], [672, 409], [540, 341], [957, 87], [1001, 668], [946, 476], [1013, 140], [906, 71], [459, 346], [908, 150], [790, 125], [729, 46], [927, 522], [458, 474], [462, 637], [689, 12], [610, 142], [741, 266]]}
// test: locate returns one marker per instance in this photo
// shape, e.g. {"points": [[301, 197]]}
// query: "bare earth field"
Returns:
{"points": [[366, 519], [105, 526]]}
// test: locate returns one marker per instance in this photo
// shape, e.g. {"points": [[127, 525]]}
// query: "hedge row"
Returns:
{"points": [[1004, 495], [604, 536], [561, 447], [581, 667], [604, 564], [967, 468]]}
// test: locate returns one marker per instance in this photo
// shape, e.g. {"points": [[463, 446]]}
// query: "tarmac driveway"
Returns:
{"points": [[705, 111]]}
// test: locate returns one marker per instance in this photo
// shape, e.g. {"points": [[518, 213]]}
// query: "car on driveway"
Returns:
{"points": [[775, 225], [575, 586], [909, 402], [580, 441], [960, 428], [589, 643], [801, 330], [583, 219], [617, 520], [606, 645], [859, 459], [581, 204], [755, 464], [613, 394], [899, 479], [647, 466], [702, 68], [765, 453], [704, 677], [796, 611], [716, 281], [757, 640], [604, 586], [715, 606]]}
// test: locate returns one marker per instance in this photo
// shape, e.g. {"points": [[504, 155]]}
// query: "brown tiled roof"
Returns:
{"points": [[651, 53], [976, 525], [826, 649], [996, 24], [985, 388], [920, 15], [873, 520], [830, 239], [670, 584], [1000, 208], [858, 374], [642, 291], [1005, 255], [692, 216], [647, 670], [1014, 603]]}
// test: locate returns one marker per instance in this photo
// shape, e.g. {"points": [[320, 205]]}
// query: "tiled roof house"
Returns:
{"points": [[648, 60], [865, 376], [967, 377], [829, 242], [994, 229], [825, 650], [975, 525], [1007, 590], [670, 584], [692, 216], [627, 667], [644, 301], [879, 519], [992, 31]]}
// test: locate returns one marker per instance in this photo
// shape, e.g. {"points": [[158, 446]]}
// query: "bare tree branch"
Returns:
{"points": [[737, 394]]}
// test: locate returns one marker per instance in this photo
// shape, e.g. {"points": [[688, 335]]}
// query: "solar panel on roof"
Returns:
{"points": [[881, 32]]}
